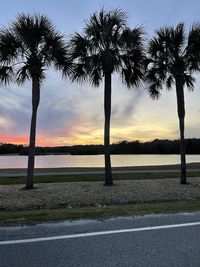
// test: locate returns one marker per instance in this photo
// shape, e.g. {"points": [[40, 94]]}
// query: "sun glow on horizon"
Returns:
{"points": [[95, 137]]}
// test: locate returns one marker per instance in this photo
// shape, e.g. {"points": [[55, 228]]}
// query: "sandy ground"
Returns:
{"points": [[57, 195]]}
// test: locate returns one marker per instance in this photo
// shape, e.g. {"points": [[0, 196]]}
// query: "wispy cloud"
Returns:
{"points": [[73, 114]]}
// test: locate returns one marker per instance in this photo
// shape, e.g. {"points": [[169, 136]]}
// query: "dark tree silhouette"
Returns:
{"points": [[173, 57], [107, 46], [28, 47]]}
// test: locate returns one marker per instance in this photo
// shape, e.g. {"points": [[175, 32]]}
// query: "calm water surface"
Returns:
{"points": [[56, 161]]}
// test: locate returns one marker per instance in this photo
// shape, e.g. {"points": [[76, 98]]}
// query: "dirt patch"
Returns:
{"points": [[77, 194]]}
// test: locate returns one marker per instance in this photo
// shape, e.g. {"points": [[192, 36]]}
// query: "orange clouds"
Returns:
{"points": [[13, 139], [81, 134], [18, 140]]}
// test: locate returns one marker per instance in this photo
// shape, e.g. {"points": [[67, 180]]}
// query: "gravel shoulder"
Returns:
{"points": [[78, 194]]}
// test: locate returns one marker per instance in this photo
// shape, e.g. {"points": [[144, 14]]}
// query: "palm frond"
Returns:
{"points": [[31, 29], [104, 21], [189, 81], [108, 45], [8, 46], [172, 54], [79, 46], [132, 37], [32, 42], [79, 73], [132, 76], [177, 40], [6, 74], [55, 53], [192, 54], [154, 74], [22, 75], [169, 82], [153, 91], [95, 77]]}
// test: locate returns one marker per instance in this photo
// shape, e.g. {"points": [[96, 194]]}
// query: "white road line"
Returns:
{"points": [[50, 238]]}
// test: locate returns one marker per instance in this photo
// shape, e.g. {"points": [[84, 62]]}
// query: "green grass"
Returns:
{"points": [[33, 216], [92, 177]]}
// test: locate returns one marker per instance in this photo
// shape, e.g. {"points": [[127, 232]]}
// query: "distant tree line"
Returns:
{"points": [[10, 148], [124, 147]]}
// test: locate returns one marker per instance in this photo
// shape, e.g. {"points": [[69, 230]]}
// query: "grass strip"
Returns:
{"points": [[92, 177], [100, 212]]}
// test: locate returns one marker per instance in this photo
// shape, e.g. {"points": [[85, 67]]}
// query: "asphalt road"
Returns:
{"points": [[38, 173], [154, 240]]}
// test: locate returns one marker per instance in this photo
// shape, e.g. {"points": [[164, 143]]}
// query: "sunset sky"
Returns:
{"points": [[73, 113]]}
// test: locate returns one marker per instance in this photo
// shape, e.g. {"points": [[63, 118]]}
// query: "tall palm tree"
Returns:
{"points": [[28, 47], [173, 58], [107, 46]]}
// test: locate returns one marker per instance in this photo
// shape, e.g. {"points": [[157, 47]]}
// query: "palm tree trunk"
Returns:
{"points": [[31, 154], [107, 114], [181, 115]]}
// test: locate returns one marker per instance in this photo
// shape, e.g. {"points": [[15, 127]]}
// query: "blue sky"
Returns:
{"points": [[73, 114]]}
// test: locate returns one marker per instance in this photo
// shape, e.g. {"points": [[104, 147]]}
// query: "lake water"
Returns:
{"points": [[56, 161]]}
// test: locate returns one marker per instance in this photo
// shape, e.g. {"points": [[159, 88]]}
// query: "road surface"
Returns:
{"points": [[153, 240]]}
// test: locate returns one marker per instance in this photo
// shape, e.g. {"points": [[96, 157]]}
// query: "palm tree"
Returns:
{"points": [[173, 58], [28, 47], [107, 46]]}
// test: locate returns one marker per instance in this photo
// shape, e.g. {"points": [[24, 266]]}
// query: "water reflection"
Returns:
{"points": [[56, 161]]}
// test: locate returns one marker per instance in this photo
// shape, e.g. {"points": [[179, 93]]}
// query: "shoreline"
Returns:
{"points": [[190, 166]]}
